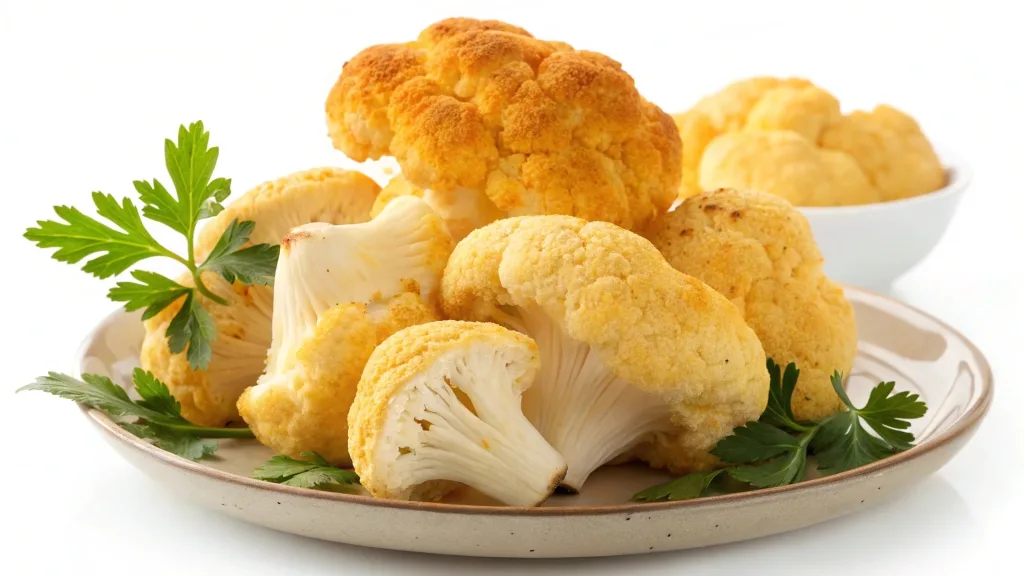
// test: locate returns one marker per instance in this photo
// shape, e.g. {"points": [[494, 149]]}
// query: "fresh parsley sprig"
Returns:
{"points": [[157, 412], [313, 472], [773, 451], [112, 249]]}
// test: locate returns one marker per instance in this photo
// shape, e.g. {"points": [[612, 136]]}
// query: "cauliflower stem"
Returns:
{"points": [[582, 408]]}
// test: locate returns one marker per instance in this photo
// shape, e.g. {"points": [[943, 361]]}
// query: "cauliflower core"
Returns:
{"points": [[440, 403], [340, 291], [758, 251], [482, 110], [632, 351], [243, 326], [789, 138]]}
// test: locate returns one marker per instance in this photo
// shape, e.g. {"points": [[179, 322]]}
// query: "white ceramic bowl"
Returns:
{"points": [[874, 244]]}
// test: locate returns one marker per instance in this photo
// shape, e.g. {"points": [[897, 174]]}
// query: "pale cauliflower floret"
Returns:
{"points": [[340, 291], [631, 349], [243, 326], [861, 157], [890, 148], [439, 404], [787, 165], [758, 251], [482, 109]]}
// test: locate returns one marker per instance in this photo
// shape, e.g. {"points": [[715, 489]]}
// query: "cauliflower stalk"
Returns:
{"points": [[339, 292], [758, 251], [439, 404], [243, 326], [489, 118], [633, 352], [788, 137]]}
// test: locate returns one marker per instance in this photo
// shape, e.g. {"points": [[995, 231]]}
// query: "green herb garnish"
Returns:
{"points": [[773, 450], [157, 413], [313, 472], [114, 249]]}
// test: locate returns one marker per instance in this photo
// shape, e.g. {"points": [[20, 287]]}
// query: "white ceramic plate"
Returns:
{"points": [[897, 343]]}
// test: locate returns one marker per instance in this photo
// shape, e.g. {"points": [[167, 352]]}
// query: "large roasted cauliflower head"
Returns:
{"points": [[789, 138], [340, 290], [758, 251], [482, 113], [632, 350], [439, 404], [208, 396]]}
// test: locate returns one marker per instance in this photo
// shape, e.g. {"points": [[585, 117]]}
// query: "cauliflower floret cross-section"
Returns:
{"points": [[632, 351], [439, 405], [243, 326], [339, 292], [481, 113]]}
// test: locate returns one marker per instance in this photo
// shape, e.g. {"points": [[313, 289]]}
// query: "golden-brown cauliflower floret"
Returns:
{"points": [[758, 251], [243, 326], [481, 108], [730, 139], [439, 404], [339, 291], [631, 349]]}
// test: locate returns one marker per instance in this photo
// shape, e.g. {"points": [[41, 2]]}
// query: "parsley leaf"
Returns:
{"points": [[112, 249], [154, 292], [779, 412], [93, 390], [683, 488], [190, 164], [185, 445], [789, 468], [313, 472], [783, 457], [158, 413], [773, 451], [192, 327], [81, 236], [155, 395], [846, 443], [252, 265], [754, 442]]}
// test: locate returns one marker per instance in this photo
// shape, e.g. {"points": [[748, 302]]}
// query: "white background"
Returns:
{"points": [[88, 90]]}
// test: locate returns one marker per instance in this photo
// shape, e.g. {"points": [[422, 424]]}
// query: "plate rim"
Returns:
{"points": [[964, 425]]}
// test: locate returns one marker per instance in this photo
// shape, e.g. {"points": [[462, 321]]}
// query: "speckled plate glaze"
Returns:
{"points": [[896, 343]]}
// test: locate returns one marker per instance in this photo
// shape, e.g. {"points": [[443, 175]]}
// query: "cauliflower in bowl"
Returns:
{"points": [[758, 251], [482, 114], [788, 137]]}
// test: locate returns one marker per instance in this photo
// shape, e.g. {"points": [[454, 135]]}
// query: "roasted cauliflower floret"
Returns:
{"points": [[340, 291], [632, 350], [758, 251], [208, 396], [520, 126], [788, 137], [439, 404]]}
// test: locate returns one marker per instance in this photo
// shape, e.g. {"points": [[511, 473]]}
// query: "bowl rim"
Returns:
{"points": [[958, 174], [965, 425]]}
